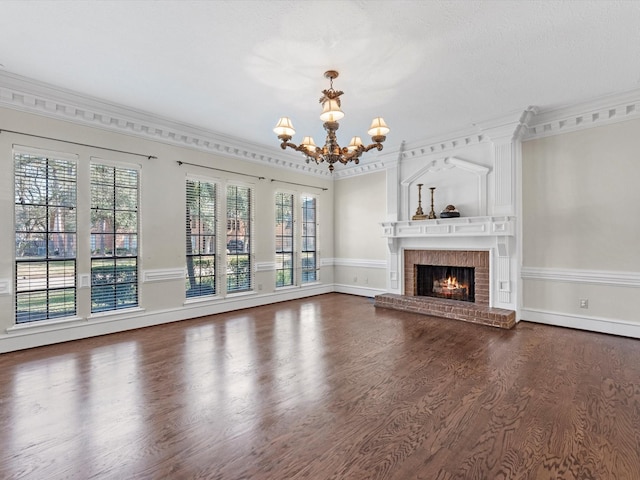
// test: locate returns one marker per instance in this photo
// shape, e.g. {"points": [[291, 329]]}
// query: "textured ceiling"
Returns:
{"points": [[234, 67]]}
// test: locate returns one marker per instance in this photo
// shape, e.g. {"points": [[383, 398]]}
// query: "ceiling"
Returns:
{"points": [[429, 67]]}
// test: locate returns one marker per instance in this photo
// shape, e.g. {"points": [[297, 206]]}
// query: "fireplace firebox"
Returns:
{"points": [[450, 282]]}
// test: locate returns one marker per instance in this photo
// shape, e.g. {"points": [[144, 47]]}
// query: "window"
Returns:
{"points": [[201, 238], [238, 238], [309, 238], [45, 236], [284, 239], [114, 237]]}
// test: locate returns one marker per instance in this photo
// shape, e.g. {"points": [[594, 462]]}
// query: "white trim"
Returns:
{"points": [[163, 274], [360, 291], [451, 227], [109, 162], [356, 263], [116, 314], [447, 163], [62, 332], [265, 266], [43, 324], [32, 96], [593, 113], [24, 150], [5, 286], [594, 277], [592, 324]]}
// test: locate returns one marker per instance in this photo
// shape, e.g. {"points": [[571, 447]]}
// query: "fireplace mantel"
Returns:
{"points": [[451, 227]]}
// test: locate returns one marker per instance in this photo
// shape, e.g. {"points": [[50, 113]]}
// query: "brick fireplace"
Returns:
{"points": [[477, 311], [479, 260], [478, 176]]}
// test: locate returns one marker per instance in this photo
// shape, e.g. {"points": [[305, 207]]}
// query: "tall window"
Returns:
{"points": [[114, 237], [45, 235], [284, 239], [309, 240], [238, 238], [201, 238]]}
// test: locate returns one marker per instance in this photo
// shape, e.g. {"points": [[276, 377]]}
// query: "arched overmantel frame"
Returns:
{"points": [[447, 163]]}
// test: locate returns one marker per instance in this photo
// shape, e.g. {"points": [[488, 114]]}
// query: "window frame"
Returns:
{"points": [[280, 240], [216, 244], [248, 250], [54, 288], [303, 251], [129, 275]]}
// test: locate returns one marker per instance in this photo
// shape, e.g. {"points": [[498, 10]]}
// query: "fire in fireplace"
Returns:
{"points": [[454, 283]]}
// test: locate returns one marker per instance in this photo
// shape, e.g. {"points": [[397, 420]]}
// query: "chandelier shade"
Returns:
{"points": [[284, 127], [331, 152], [331, 111]]}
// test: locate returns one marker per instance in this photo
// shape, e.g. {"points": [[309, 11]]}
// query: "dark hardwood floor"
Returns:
{"points": [[324, 388]]}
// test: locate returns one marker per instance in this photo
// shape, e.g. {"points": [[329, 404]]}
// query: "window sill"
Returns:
{"points": [[202, 299], [115, 313], [21, 327], [240, 294]]}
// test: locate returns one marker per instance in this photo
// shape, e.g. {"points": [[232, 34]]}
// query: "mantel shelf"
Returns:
{"points": [[451, 227]]}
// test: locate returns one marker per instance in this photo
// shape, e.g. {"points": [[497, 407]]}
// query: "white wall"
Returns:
{"points": [[581, 228], [360, 250], [162, 227]]}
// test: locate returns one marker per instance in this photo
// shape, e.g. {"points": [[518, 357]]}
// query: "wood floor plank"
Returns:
{"points": [[324, 388]]}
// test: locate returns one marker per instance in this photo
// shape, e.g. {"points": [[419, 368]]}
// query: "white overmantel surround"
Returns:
{"points": [[479, 177], [493, 234]]}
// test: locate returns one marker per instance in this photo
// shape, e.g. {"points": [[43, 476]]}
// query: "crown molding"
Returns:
{"points": [[444, 143], [32, 96], [603, 110]]}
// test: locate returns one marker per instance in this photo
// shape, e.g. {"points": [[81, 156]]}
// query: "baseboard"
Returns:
{"points": [[85, 328], [603, 325], [360, 291]]}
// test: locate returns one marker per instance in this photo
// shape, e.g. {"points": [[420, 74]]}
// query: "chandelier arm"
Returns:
{"points": [[376, 145], [315, 155]]}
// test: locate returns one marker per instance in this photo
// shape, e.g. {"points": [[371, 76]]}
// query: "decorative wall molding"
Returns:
{"points": [[593, 324], [358, 263], [163, 275], [378, 165], [504, 185], [594, 113], [5, 286], [32, 96], [436, 146], [444, 144], [448, 163], [594, 277], [21, 93], [265, 266], [451, 227]]}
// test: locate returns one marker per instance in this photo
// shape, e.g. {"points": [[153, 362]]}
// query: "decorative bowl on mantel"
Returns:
{"points": [[450, 211]]}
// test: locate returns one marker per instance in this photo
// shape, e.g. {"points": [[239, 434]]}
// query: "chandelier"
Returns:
{"points": [[331, 152]]}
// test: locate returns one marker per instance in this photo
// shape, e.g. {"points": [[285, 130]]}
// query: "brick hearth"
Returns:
{"points": [[439, 307]]}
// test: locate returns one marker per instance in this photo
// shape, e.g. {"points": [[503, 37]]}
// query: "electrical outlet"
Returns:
{"points": [[584, 303]]}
